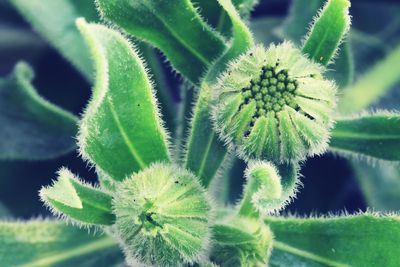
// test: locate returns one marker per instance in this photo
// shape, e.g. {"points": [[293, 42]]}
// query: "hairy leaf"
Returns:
{"points": [[205, 153], [361, 240], [55, 21], [295, 27], [173, 26], [376, 136], [163, 94], [375, 83], [71, 198], [32, 127], [328, 30], [217, 16], [121, 131], [51, 243]]}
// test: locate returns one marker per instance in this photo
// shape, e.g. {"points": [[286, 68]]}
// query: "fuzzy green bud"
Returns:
{"points": [[289, 119], [162, 217], [242, 242]]}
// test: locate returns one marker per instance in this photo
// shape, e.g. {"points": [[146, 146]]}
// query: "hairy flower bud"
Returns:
{"points": [[162, 216], [241, 242], [274, 104]]}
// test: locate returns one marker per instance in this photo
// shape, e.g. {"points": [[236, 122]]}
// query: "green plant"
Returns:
{"points": [[156, 202]]}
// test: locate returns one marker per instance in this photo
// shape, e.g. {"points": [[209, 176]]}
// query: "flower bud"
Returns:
{"points": [[162, 216], [241, 242], [274, 104]]}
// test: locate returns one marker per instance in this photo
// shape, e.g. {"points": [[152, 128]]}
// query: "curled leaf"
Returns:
{"points": [[268, 189]]}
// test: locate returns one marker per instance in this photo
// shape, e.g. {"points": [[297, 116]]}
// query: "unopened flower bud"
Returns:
{"points": [[162, 216], [289, 118]]}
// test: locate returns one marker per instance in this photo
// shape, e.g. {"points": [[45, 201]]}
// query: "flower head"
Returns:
{"points": [[274, 104]]}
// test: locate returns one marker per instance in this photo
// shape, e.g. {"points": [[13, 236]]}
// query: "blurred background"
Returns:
{"points": [[331, 183]]}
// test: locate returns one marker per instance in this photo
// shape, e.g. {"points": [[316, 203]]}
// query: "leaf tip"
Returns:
{"points": [[62, 191]]}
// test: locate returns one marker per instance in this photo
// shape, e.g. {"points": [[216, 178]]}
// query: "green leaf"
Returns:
{"points": [[360, 240], [205, 152], [69, 196], [52, 243], [380, 185], [173, 26], [217, 16], [295, 28], [376, 135], [55, 21], [327, 32], [32, 127], [121, 131], [375, 83]]}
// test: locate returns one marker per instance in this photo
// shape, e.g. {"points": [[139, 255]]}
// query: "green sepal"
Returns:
{"points": [[174, 27], [55, 21], [358, 240], [54, 244], [71, 198], [328, 31], [121, 131], [32, 128], [374, 136]]}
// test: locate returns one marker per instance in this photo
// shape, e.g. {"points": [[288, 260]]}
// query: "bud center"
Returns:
{"points": [[272, 90], [147, 220]]}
